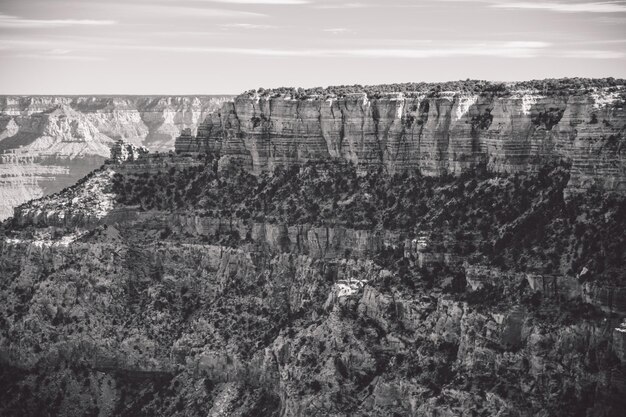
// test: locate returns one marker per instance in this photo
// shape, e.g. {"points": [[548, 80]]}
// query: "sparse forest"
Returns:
{"points": [[553, 87], [518, 221]]}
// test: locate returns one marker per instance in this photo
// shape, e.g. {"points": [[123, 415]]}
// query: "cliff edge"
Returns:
{"points": [[437, 133]]}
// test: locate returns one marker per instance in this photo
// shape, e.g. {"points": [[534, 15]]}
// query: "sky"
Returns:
{"points": [[229, 46]]}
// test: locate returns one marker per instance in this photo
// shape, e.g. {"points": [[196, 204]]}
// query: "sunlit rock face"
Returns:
{"points": [[448, 134], [48, 142]]}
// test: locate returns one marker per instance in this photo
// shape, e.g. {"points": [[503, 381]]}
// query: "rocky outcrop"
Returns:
{"points": [[317, 242], [451, 133], [122, 152]]}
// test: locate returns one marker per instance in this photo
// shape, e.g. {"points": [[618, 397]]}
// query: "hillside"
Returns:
{"points": [[180, 285]]}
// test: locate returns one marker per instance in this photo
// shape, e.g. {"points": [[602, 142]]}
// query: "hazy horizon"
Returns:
{"points": [[225, 47]]}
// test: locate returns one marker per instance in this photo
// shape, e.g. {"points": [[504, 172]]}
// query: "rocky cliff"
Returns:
{"points": [[435, 133], [48, 143]]}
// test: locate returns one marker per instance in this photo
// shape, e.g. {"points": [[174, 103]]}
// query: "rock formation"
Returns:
{"points": [[447, 134], [49, 142], [121, 152]]}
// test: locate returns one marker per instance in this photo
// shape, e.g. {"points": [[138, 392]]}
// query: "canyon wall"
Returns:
{"points": [[49, 142], [446, 134], [113, 305]]}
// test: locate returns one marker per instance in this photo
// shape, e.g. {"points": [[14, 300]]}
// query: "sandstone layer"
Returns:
{"points": [[448, 133]]}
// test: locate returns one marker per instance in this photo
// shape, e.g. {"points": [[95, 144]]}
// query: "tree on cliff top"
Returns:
{"points": [[560, 86]]}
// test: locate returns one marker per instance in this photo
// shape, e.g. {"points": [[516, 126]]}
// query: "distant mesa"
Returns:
{"points": [[48, 143], [513, 127]]}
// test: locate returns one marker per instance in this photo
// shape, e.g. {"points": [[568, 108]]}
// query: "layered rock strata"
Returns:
{"points": [[49, 142], [448, 134]]}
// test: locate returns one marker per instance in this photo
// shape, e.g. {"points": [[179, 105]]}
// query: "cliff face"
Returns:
{"points": [[448, 134], [48, 143], [152, 121]]}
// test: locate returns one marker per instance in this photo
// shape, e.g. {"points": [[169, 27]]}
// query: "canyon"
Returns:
{"points": [[47, 143], [355, 254]]}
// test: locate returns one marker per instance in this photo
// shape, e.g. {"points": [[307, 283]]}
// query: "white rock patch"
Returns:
{"points": [[528, 100], [348, 287], [603, 99], [464, 104]]}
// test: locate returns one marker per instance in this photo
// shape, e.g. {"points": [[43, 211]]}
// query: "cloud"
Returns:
{"points": [[247, 26], [59, 51], [337, 31], [15, 22], [44, 49], [485, 49], [601, 7], [153, 12], [191, 11], [423, 50], [189, 34], [592, 54], [598, 42], [45, 46], [343, 6], [517, 49], [54, 57]]}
